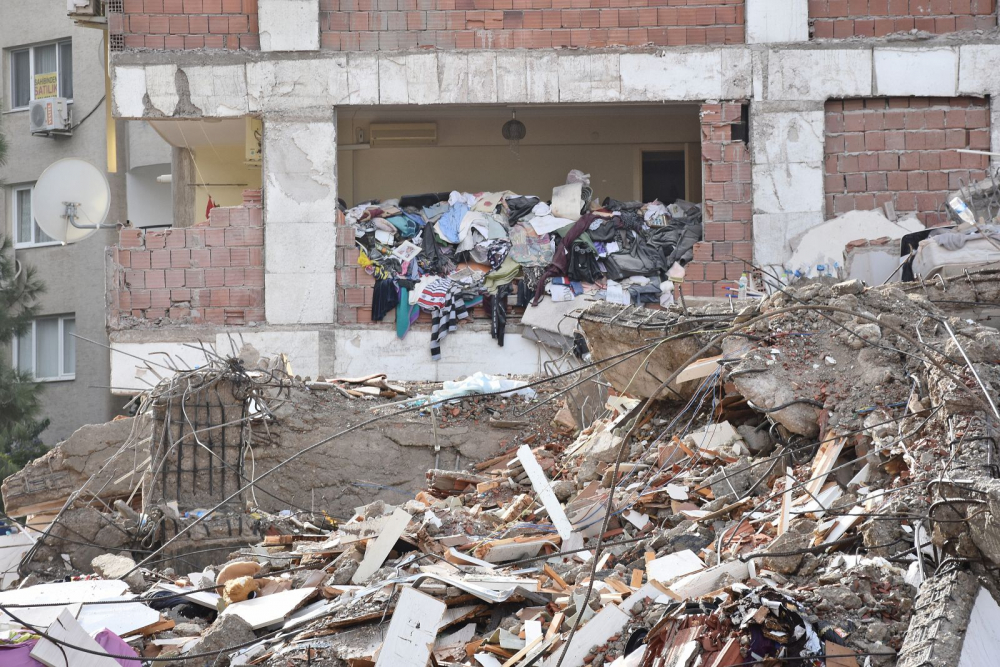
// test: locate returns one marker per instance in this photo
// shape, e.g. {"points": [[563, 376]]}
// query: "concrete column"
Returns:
{"points": [[300, 210], [787, 144], [288, 25], [995, 130], [181, 177], [776, 21]]}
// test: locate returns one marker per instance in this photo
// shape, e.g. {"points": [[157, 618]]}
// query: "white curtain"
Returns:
{"points": [[69, 347], [47, 348]]}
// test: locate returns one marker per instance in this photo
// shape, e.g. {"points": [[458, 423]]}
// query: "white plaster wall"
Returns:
{"points": [[128, 370], [361, 351], [149, 203], [288, 25], [129, 374], [301, 347], [916, 71], [776, 21]]}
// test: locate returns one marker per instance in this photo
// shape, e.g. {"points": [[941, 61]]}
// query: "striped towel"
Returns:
{"points": [[445, 319]]}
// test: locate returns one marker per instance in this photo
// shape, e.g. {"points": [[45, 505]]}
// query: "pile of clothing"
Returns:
{"points": [[445, 253]]}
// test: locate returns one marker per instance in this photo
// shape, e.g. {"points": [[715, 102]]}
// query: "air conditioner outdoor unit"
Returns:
{"points": [[49, 115], [402, 134], [84, 8]]}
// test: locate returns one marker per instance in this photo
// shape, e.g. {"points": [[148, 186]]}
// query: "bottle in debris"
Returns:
{"points": [[743, 286], [961, 210]]}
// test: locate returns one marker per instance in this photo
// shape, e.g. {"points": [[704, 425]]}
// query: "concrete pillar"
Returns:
{"points": [[995, 131], [300, 210], [181, 178], [787, 143], [776, 21], [288, 25]]}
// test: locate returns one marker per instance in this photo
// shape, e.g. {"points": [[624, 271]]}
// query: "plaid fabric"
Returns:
{"points": [[445, 319]]}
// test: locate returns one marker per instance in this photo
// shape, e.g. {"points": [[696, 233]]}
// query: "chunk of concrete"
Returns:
{"points": [[111, 566]]}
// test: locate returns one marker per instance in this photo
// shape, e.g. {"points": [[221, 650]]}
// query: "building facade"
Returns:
{"points": [[782, 114], [39, 40]]}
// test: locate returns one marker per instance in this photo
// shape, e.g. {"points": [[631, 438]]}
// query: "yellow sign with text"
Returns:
{"points": [[46, 85]]}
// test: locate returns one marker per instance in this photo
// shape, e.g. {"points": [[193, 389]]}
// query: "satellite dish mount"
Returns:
{"points": [[71, 217]]}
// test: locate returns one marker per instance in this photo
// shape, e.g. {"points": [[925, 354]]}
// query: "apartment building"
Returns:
{"points": [[778, 115], [47, 56]]}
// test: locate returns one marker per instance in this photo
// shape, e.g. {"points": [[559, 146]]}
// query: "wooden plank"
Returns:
{"points": [[786, 502], [278, 540], [121, 619], [66, 629], [152, 628], [636, 578], [514, 659], [699, 369], [378, 551], [845, 656], [554, 576], [411, 632], [544, 490], [823, 462], [674, 565]]}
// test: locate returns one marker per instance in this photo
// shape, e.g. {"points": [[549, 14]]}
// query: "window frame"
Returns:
{"points": [[15, 221], [61, 361], [31, 69]]}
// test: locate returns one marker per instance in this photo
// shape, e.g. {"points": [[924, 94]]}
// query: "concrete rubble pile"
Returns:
{"points": [[818, 488]]}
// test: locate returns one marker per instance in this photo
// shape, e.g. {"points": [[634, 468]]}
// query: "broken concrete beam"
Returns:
{"points": [[938, 628], [46, 482]]}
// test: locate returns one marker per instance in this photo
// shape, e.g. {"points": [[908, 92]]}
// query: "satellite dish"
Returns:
{"points": [[71, 200]]}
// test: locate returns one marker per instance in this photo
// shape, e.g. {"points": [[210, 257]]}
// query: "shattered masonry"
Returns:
{"points": [[819, 482]]}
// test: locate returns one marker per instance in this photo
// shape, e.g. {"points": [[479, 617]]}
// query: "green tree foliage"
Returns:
{"points": [[20, 288]]}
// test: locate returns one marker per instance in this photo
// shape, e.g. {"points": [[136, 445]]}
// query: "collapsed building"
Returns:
{"points": [[815, 482]]}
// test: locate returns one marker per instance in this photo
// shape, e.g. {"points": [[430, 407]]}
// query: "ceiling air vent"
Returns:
{"points": [[384, 135]]}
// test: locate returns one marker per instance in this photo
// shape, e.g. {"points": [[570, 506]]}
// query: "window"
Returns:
{"points": [[27, 233], [25, 64], [48, 350]]}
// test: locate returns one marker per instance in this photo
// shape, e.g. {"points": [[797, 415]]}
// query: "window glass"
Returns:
{"points": [[69, 346], [42, 237], [47, 348], [66, 70], [22, 206], [20, 75], [24, 352]]}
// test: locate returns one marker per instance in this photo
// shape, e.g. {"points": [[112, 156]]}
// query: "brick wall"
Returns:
{"points": [[728, 209], [902, 150], [370, 25], [185, 24], [875, 18], [210, 273]]}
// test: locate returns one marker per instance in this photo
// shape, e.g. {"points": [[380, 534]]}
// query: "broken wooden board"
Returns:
{"points": [[269, 609], [204, 598], [514, 548], [699, 369], [824, 462], [66, 629], [411, 631], [378, 551], [544, 490]]}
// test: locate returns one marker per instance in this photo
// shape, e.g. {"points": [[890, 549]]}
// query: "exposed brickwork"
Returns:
{"points": [[902, 150], [728, 209], [186, 24], [210, 273], [371, 25], [840, 19]]}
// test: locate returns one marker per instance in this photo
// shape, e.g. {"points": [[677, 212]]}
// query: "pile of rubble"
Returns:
{"points": [[819, 490]]}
